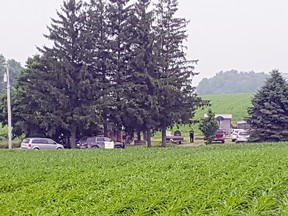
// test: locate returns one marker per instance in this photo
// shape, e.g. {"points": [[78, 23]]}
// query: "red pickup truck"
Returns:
{"points": [[220, 136]]}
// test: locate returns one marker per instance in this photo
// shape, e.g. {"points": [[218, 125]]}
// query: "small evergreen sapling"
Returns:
{"points": [[208, 126]]}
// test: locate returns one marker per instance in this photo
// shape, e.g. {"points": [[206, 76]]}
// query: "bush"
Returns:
{"points": [[208, 126], [3, 131], [4, 143]]}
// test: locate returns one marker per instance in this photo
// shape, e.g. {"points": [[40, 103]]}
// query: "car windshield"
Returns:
{"points": [[90, 139], [100, 139], [25, 141]]}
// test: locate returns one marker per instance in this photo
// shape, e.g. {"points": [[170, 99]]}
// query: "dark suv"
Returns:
{"points": [[220, 136]]}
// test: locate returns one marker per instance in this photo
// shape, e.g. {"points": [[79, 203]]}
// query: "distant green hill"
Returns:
{"points": [[232, 82], [235, 104]]}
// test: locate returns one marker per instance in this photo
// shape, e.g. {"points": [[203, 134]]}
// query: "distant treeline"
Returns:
{"points": [[14, 70], [231, 82]]}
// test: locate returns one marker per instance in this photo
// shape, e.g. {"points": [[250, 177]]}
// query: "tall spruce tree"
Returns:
{"points": [[71, 75], [140, 92], [38, 107], [101, 56], [34, 110], [268, 115], [176, 98], [120, 30]]}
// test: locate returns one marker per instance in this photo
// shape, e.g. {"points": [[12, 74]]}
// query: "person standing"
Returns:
{"points": [[191, 134]]}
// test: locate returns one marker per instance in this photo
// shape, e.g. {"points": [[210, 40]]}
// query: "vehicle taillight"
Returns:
{"points": [[29, 145], [219, 135]]}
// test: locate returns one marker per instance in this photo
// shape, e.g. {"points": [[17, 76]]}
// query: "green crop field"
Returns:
{"points": [[247, 179]]}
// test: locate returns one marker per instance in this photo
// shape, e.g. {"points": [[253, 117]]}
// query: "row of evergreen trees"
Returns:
{"points": [[115, 61]]}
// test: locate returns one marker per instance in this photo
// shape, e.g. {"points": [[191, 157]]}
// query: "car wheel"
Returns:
{"points": [[59, 148], [223, 141], [233, 140], [36, 149], [95, 146]]}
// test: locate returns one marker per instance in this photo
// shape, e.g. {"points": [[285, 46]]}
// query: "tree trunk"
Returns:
{"points": [[138, 135], [119, 134], [105, 126], [73, 136], [148, 138], [163, 143], [145, 135]]}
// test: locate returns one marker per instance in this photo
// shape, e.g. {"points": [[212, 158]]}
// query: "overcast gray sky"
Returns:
{"points": [[223, 34]]}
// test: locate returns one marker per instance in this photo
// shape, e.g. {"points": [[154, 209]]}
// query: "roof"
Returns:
{"points": [[225, 116], [242, 122]]}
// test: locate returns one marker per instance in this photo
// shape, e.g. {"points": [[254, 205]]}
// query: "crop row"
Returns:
{"points": [[221, 180]]}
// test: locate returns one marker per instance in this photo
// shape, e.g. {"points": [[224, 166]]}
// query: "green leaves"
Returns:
{"points": [[14, 70], [139, 181], [111, 62], [231, 82], [176, 99], [268, 115], [208, 126]]}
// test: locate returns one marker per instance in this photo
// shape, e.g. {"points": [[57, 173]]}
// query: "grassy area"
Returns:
{"points": [[3, 131], [235, 104], [15, 143], [248, 179]]}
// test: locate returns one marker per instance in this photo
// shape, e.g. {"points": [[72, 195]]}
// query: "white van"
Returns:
{"points": [[40, 144]]}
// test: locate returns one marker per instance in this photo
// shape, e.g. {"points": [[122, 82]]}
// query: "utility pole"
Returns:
{"points": [[7, 80]]}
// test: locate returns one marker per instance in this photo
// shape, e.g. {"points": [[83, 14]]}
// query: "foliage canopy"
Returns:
{"points": [[208, 126], [231, 82], [268, 115], [120, 63]]}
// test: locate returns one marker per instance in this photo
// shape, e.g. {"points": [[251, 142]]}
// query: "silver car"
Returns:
{"points": [[243, 136], [40, 144]]}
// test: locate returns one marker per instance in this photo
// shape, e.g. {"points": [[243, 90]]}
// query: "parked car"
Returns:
{"points": [[40, 144], [235, 134], [220, 136], [243, 136], [177, 138], [101, 142], [119, 145]]}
